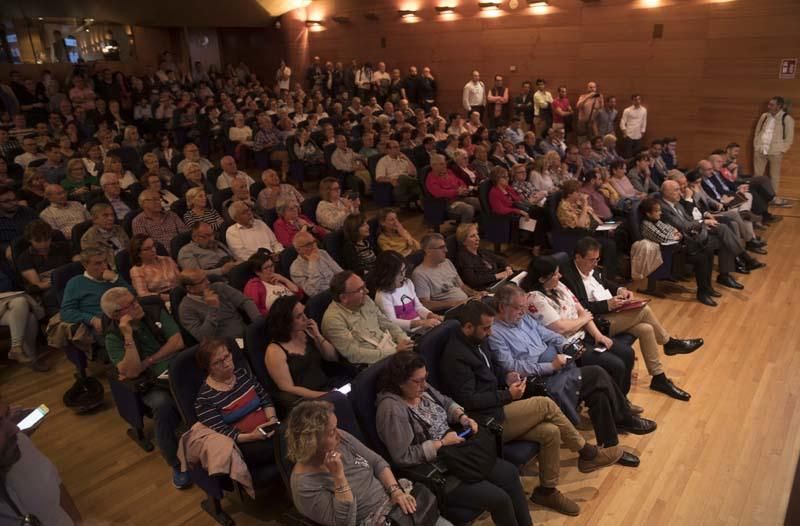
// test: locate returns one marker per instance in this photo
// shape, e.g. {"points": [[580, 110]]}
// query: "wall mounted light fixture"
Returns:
{"points": [[445, 9], [407, 13], [538, 3], [489, 4]]}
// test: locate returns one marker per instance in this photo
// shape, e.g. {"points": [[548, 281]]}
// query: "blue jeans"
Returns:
{"points": [[167, 418]]}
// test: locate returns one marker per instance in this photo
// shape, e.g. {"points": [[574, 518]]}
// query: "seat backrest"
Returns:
{"points": [[127, 223], [317, 305], [372, 164], [414, 260], [178, 242], [332, 244], [483, 196], [256, 339], [179, 207], [363, 394], [219, 197], [176, 296], [451, 243], [431, 346], [285, 261], [552, 209], [562, 258], [309, 207], [124, 264], [186, 378], [634, 223], [423, 179], [240, 275], [256, 188], [77, 233], [212, 175], [62, 275]]}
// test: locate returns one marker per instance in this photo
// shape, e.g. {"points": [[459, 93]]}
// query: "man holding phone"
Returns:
{"points": [[471, 380], [31, 491]]}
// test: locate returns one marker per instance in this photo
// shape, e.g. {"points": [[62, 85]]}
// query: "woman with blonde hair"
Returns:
{"points": [[199, 211], [551, 174], [33, 184], [336, 479], [77, 182]]}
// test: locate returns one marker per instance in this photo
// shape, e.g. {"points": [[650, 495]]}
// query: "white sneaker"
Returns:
{"points": [[18, 355]]}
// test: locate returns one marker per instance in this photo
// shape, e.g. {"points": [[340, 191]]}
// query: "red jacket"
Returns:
{"points": [[256, 291], [502, 203], [445, 186]]}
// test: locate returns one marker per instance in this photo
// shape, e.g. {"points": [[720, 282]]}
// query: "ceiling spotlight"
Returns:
{"points": [[87, 30], [445, 9], [489, 4], [313, 23], [40, 18], [407, 13]]}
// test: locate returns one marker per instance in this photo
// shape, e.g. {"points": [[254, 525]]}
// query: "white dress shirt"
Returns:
{"points": [[243, 242], [634, 122]]}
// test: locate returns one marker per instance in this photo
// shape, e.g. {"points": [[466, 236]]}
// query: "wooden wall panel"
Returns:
{"points": [[707, 80]]}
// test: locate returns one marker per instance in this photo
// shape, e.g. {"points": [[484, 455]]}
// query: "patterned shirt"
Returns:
{"points": [[658, 231], [65, 217], [162, 229]]}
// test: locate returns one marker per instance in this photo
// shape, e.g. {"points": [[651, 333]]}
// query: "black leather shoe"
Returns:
{"points": [[675, 346], [706, 300], [755, 264], [771, 219], [629, 460], [665, 385], [756, 249], [637, 425], [727, 281], [714, 293], [759, 242]]}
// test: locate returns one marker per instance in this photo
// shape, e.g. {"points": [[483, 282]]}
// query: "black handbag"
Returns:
{"points": [[426, 514], [536, 386], [603, 325], [473, 459]]}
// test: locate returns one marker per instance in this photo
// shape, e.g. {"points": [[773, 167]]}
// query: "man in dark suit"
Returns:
{"points": [[720, 237], [472, 382], [603, 297]]}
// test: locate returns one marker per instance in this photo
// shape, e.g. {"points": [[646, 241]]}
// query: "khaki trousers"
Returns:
{"points": [[643, 324], [539, 419], [760, 163]]}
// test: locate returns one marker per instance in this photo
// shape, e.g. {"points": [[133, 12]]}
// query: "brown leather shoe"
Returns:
{"points": [[605, 457], [556, 501]]}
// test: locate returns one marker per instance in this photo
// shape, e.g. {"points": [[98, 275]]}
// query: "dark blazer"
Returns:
{"points": [[469, 381], [677, 217], [571, 277], [478, 271]]}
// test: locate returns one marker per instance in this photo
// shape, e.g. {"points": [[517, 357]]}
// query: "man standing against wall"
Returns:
{"points": [[773, 137], [633, 125], [542, 109], [474, 96], [589, 104]]}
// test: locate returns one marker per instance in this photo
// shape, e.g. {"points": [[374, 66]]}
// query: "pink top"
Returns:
{"points": [[623, 186], [502, 202], [156, 278], [444, 186], [285, 231]]}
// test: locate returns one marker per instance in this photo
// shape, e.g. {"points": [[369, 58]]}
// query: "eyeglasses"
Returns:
{"points": [[362, 289], [440, 247], [228, 358]]}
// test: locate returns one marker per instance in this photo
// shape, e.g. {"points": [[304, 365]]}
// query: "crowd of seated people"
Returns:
{"points": [[160, 192]]}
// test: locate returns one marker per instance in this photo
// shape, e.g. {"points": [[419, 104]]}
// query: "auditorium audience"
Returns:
{"points": [[414, 420], [213, 309], [294, 358], [335, 478], [436, 280], [82, 161], [140, 344], [204, 252], [522, 344], [61, 214], [233, 403], [151, 274], [473, 382], [249, 234], [356, 326]]}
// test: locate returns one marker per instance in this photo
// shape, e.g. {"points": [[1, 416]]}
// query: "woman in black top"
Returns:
{"points": [[477, 267], [294, 358], [358, 254]]}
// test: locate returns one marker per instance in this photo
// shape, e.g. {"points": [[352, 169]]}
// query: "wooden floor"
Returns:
{"points": [[726, 457]]}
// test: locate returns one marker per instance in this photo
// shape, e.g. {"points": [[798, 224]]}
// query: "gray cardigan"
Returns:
{"points": [[225, 321], [314, 496], [404, 437]]}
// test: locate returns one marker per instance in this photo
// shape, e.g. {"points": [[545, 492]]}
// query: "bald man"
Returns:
{"points": [[230, 171]]}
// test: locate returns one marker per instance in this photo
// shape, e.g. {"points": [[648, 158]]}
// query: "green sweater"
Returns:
{"points": [[82, 296]]}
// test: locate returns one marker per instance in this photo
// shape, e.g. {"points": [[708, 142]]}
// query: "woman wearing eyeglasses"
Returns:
{"points": [[396, 295], [267, 285]]}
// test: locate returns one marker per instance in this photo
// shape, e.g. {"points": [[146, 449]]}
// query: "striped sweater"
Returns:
{"points": [[239, 410]]}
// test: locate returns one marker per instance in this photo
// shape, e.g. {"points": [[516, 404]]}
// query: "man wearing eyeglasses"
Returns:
{"points": [[313, 268], [602, 297], [31, 491], [154, 221], [356, 326], [141, 345], [191, 154], [214, 309]]}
